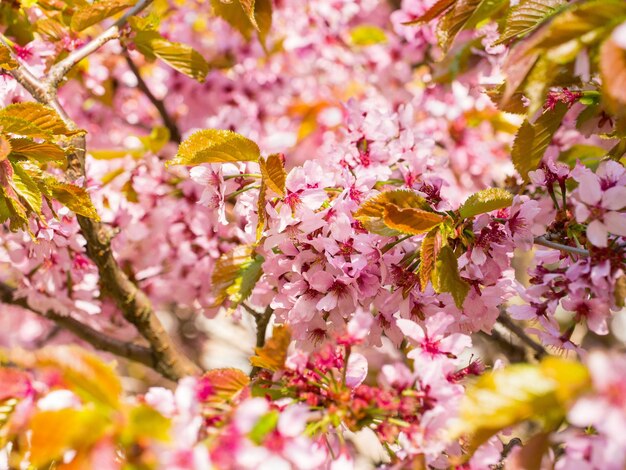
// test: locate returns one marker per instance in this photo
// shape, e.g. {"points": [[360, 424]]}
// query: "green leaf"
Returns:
{"points": [[266, 424], [237, 13], [40, 152], [410, 220], [7, 62], [532, 140], [367, 35], [274, 174], [588, 155], [17, 126], [446, 277], [487, 200], [91, 14], [73, 197], [27, 188], [372, 212], [526, 16], [235, 274], [144, 422], [215, 146], [179, 56], [520, 392], [38, 115]]}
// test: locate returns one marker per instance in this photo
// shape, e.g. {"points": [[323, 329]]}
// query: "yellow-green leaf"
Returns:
{"points": [[526, 16], [410, 220], [17, 126], [238, 13], [274, 174], [235, 275], [144, 422], [372, 212], [261, 211], [40, 152], [520, 392], [7, 62], [367, 35], [73, 197], [215, 146], [273, 354], [179, 56], [446, 277], [94, 13], [532, 140], [42, 117], [487, 200], [26, 188], [86, 374]]}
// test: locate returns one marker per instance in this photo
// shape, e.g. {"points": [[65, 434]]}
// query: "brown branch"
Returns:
{"points": [[97, 339], [262, 320], [518, 331], [167, 119], [133, 303]]}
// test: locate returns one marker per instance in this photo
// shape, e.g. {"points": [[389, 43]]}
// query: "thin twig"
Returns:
{"points": [[97, 339], [558, 246], [262, 320], [60, 69], [167, 119], [509, 324]]}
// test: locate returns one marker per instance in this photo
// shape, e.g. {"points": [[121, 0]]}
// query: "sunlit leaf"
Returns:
{"points": [[238, 13], [7, 61], [17, 126], [235, 275], [179, 56], [273, 354], [266, 424], [487, 200], [274, 174], [52, 433], [410, 220], [144, 422], [86, 374], [532, 140], [526, 16], [5, 147], [261, 211], [73, 197], [517, 393], [620, 291], [372, 212], [40, 152], [38, 115], [446, 277], [94, 13], [216, 146], [27, 188], [226, 383], [367, 35], [429, 251]]}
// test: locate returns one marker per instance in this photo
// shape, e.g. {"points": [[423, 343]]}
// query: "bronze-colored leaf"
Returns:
{"points": [[274, 174], [273, 354]]}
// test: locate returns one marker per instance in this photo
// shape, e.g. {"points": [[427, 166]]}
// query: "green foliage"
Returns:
{"points": [[94, 13], [180, 57], [484, 201], [246, 16], [367, 35], [216, 146], [532, 140], [520, 392], [445, 276], [235, 275]]}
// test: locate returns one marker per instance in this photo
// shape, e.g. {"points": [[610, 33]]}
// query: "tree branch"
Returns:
{"points": [[58, 71], [94, 337], [132, 302], [167, 119], [558, 246], [510, 325]]}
